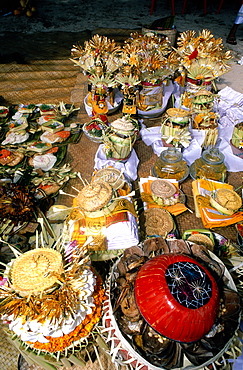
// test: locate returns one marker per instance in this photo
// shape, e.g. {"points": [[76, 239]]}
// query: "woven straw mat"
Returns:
{"points": [[38, 82]]}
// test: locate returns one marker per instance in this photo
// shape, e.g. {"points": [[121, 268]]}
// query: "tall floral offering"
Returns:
{"points": [[202, 59], [99, 58], [147, 55], [51, 300]]}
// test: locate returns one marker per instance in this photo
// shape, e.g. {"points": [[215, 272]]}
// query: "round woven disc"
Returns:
{"points": [[158, 222], [163, 188], [177, 112], [36, 270], [202, 239], [229, 199], [94, 196], [112, 176]]}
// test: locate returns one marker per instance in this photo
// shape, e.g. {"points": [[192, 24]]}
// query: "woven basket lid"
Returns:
{"points": [[177, 296], [229, 199], [94, 196], [112, 176], [35, 271], [177, 112], [202, 239], [158, 221], [123, 125], [203, 93], [163, 188]]}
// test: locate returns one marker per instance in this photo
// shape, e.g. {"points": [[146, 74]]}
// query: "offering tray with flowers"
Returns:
{"points": [[103, 219], [66, 304], [95, 129]]}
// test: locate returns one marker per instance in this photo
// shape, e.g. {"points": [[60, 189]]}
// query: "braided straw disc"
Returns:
{"points": [[35, 271], [158, 222], [177, 112], [94, 196], [162, 188], [202, 239], [229, 199]]}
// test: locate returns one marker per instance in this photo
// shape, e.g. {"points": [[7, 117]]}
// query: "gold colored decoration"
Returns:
{"points": [[36, 270]]}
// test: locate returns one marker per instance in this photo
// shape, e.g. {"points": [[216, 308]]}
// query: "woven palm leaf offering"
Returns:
{"points": [[236, 141], [202, 101], [175, 128], [99, 58], [203, 58], [162, 193], [113, 176], [147, 54], [120, 138], [102, 219], [171, 304], [51, 301], [19, 206], [205, 126], [158, 221]]}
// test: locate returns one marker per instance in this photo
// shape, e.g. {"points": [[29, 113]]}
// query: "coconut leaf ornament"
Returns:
{"points": [[202, 56], [98, 52]]}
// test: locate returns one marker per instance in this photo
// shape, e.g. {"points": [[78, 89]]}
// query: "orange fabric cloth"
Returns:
{"points": [[210, 216]]}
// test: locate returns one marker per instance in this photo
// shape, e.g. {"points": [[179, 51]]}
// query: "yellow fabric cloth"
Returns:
{"points": [[146, 196], [210, 216]]}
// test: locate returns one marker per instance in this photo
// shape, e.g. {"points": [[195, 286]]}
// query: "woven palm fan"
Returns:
{"points": [[35, 271]]}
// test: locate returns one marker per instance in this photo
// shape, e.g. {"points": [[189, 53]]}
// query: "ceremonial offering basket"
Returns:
{"points": [[202, 101], [169, 33], [120, 138], [167, 335], [94, 130]]}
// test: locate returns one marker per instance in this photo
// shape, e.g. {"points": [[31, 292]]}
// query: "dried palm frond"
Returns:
{"points": [[101, 45], [128, 81], [205, 46], [102, 81], [206, 69], [185, 37]]}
